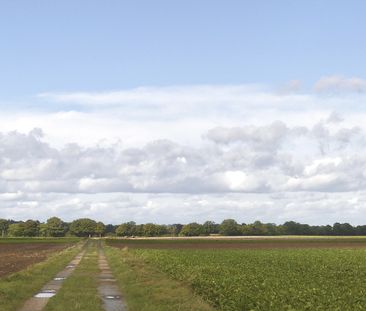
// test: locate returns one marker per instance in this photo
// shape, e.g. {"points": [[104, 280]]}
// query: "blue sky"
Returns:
{"points": [[108, 45], [181, 111]]}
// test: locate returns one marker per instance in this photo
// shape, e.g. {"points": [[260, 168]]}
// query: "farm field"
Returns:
{"points": [[17, 254], [277, 277], [241, 242]]}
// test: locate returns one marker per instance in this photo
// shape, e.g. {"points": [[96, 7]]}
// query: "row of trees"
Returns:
{"points": [[55, 227]]}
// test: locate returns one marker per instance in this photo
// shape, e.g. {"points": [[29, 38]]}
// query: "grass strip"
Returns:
{"points": [[79, 291], [146, 289], [16, 288], [39, 240]]}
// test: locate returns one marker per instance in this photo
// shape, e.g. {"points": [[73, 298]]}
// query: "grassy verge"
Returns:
{"points": [[39, 240], [79, 291], [146, 289], [16, 288]]}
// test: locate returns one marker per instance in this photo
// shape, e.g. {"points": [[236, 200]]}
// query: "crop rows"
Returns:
{"points": [[283, 279]]}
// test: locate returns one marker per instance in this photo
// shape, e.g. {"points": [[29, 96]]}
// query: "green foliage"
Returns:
{"points": [[210, 227], [83, 227], [126, 229], [4, 225], [229, 227], [55, 227], [15, 230], [192, 229], [300, 279], [100, 228]]}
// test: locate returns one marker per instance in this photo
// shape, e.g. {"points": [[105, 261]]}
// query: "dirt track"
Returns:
{"points": [[15, 257]]}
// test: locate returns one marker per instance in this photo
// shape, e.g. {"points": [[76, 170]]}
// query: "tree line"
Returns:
{"points": [[56, 227]]}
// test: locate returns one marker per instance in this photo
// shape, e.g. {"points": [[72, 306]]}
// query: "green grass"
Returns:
{"points": [[79, 291], [147, 289], [18, 287], [40, 240], [277, 279]]}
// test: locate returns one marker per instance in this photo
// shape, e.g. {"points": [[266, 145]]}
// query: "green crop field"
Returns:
{"points": [[276, 279]]}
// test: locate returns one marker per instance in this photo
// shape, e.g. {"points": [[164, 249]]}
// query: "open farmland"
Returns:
{"points": [[277, 278], [240, 242], [17, 254]]}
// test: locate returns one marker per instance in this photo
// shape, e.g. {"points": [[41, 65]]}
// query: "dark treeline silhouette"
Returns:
{"points": [[55, 227]]}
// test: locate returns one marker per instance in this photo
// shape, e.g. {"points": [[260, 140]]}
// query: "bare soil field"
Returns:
{"points": [[242, 244], [18, 256]]}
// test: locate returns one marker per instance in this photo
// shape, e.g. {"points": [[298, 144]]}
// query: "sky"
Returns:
{"points": [[182, 111]]}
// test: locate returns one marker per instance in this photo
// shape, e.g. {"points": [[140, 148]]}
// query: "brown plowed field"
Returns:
{"points": [[260, 244], [15, 257]]}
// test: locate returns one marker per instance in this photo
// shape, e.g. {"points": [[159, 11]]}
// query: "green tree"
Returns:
{"points": [[55, 227], [150, 229], [100, 228], [4, 225], [43, 230], [192, 229], [83, 227], [229, 227], [126, 229], [16, 229], [31, 228], [174, 229], [210, 227]]}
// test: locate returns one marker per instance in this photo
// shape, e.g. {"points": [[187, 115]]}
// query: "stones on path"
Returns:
{"points": [[108, 289], [39, 301]]}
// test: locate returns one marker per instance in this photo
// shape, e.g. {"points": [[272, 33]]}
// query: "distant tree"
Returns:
{"points": [[343, 229], [174, 229], [100, 228], [110, 229], [151, 229], [229, 227], [295, 228], [126, 229], [31, 228], [4, 225], [361, 230], [16, 229], [210, 227], [43, 230], [83, 227], [55, 227], [192, 229]]}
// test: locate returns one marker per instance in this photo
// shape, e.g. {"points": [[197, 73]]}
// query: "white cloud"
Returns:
{"points": [[145, 153], [338, 83]]}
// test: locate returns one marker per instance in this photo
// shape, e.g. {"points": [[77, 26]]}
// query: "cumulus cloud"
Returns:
{"points": [[338, 83], [246, 159], [200, 151]]}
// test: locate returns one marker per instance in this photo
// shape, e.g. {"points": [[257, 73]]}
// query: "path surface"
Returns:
{"points": [[107, 288], [39, 301]]}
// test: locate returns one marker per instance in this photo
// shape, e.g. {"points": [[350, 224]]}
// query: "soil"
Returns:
{"points": [[18, 256], [240, 245]]}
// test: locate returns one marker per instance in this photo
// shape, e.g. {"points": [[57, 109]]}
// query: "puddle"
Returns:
{"points": [[70, 266], [59, 279], [112, 297], [47, 293]]}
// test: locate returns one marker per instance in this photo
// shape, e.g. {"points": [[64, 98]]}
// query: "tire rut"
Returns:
{"points": [[108, 289], [50, 289]]}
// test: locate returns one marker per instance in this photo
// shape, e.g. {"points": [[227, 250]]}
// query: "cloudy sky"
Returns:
{"points": [[162, 112]]}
